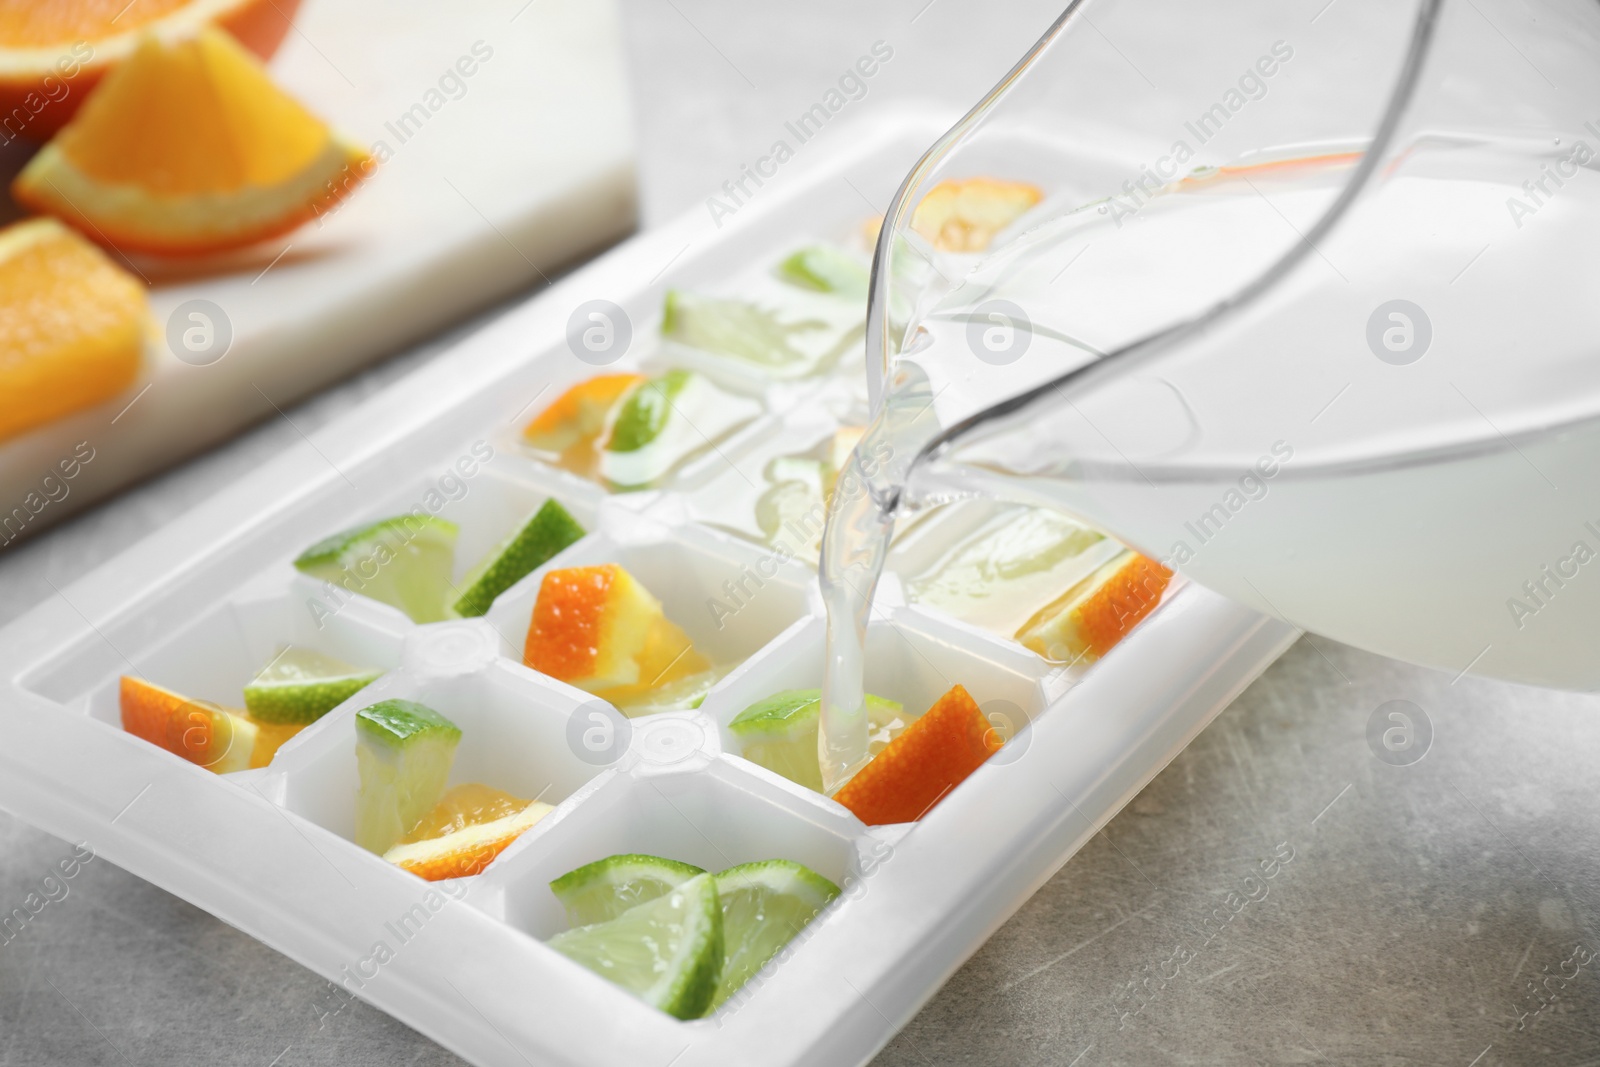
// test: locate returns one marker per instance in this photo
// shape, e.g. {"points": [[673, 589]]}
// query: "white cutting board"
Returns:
{"points": [[519, 168]]}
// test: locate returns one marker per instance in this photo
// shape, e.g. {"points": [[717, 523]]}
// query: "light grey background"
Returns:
{"points": [[1420, 902]]}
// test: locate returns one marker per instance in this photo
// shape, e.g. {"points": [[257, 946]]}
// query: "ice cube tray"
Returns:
{"points": [[203, 603]]}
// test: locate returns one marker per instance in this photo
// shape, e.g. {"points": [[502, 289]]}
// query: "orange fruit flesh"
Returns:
{"points": [[198, 731], [1089, 619], [964, 216], [590, 626], [571, 426], [53, 54], [929, 758], [271, 736], [188, 146], [72, 325], [468, 829], [469, 804]]}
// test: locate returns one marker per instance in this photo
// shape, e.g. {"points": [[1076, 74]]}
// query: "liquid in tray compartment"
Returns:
{"points": [[534, 672]]}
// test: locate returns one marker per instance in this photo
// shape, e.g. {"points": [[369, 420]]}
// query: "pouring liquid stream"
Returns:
{"points": [[1424, 486]]}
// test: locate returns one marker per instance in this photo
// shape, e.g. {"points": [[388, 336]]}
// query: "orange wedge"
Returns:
{"points": [[579, 414], [1087, 620], [463, 853], [964, 216], [930, 757], [52, 53], [199, 731], [72, 325], [187, 148], [590, 626]]}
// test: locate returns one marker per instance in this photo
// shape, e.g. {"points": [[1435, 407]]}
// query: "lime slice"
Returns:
{"points": [[547, 532], [404, 562], [827, 269], [404, 752], [600, 891], [736, 329], [665, 421], [667, 952], [301, 685], [780, 732], [764, 906]]}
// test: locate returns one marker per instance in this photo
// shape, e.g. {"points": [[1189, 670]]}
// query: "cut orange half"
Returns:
{"points": [[188, 147], [52, 53], [72, 325]]}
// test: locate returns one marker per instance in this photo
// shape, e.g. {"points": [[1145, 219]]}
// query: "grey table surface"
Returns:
{"points": [[1422, 906]]}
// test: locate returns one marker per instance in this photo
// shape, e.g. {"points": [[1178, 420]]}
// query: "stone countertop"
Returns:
{"points": [[1414, 906]]}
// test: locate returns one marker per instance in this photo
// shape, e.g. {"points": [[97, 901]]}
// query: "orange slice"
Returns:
{"points": [[199, 731], [188, 147], [930, 757], [72, 325], [1087, 620], [579, 414], [590, 626], [463, 853], [53, 53]]}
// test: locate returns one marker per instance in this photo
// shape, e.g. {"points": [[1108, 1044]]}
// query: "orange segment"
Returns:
{"points": [[199, 731], [467, 851], [1091, 617], [930, 757], [53, 53], [188, 147], [579, 414], [468, 804], [270, 736], [72, 325], [590, 626]]}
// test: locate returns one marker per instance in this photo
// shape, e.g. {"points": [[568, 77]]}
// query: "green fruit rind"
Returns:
{"points": [[764, 905], [687, 922], [826, 269], [404, 561], [397, 723], [645, 411], [547, 532], [601, 891], [302, 702]]}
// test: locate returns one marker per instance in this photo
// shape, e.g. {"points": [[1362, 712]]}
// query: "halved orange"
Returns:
{"points": [[189, 147], [1087, 621], [72, 325], [53, 52]]}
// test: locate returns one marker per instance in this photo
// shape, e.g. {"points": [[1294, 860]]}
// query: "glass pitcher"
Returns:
{"points": [[1305, 309]]}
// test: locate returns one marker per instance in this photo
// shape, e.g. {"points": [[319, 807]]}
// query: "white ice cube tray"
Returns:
{"points": [[201, 605]]}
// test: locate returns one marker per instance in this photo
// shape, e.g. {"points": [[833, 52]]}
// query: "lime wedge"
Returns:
{"points": [[404, 562], [404, 752], [644, 414], [547, 532], [600, 891], [667, 952], [663, 422], [764, 906], [780, 732], [734, 328], [827, 269], [301, 685]]}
